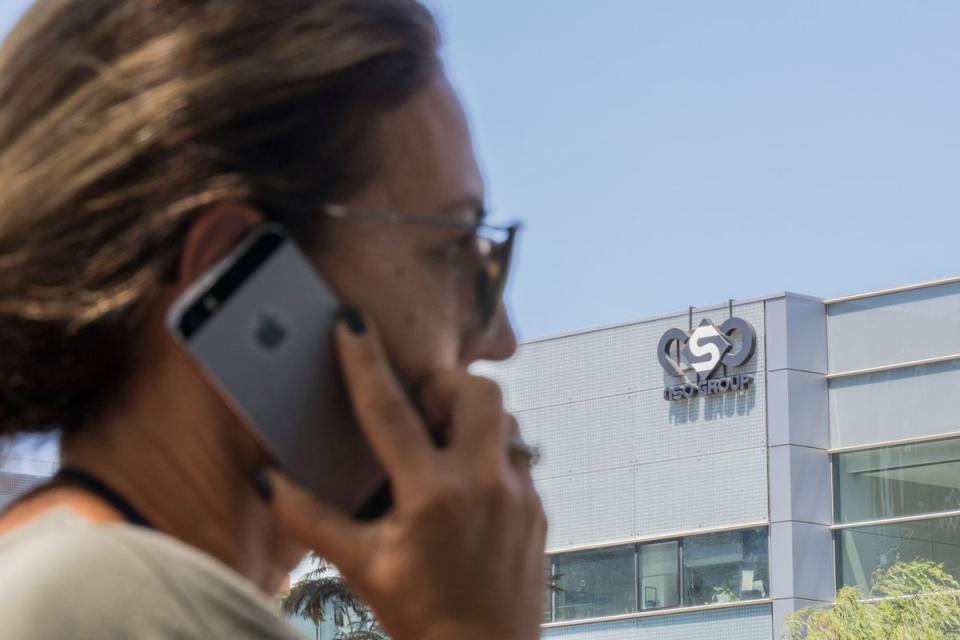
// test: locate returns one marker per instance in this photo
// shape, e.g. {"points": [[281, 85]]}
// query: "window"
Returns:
{"points": [[895, 485], [725, 567], [548, 604], [864, 550], [904, 480], [716, 569], [596, 583], [659, 575]]}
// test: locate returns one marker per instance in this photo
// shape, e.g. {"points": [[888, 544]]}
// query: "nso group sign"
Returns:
{"points": [[699, 355]]}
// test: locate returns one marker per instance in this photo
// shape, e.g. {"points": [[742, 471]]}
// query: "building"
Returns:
{"points": [[706, 473], [25, 465]]}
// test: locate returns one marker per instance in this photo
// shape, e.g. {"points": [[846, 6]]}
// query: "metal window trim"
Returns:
{"points": [[884, 444], [899, 366], [837, 561], [898, 520], [930, 284], [681, 582], [659, 612], [553, 591], [637, 578], [657, 538]]}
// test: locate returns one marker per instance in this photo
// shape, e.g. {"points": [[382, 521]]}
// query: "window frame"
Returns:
{"points": [[637, 548], [839, 527], [555, 568], [836, 473]]}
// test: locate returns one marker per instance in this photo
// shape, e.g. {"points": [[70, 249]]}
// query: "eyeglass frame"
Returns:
{"points": [[494, 271]]}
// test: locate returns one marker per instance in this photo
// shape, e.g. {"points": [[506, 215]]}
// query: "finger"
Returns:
{"points": [[523, 460], [387, 418], [318, 526], [520, 460], [474, 407]]}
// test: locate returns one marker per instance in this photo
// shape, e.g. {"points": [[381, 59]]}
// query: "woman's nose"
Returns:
{"points": [[499, 342]]}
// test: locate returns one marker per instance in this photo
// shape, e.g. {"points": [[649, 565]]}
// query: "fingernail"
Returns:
{"points": [[261, 482], [354, 321]]}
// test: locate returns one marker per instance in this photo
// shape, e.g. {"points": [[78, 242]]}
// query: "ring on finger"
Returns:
{"points": [[529, 453]]}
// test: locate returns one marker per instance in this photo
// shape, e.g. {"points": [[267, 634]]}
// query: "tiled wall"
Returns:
{"points": [[620, 461]]}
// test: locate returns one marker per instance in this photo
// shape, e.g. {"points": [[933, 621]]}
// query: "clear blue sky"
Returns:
{"points": [[667, 154]]}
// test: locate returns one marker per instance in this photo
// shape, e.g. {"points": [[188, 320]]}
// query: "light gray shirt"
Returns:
{"points": [[64, 577]]}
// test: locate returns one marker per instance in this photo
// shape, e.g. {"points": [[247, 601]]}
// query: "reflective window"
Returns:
{"points": [[864, 550], [596, 583], [548, 605], [660, 575], [725, 567], [897, 481], [717, 568]]}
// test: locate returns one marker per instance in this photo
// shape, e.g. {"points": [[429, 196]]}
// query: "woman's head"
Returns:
{"points": [[139, 140]]}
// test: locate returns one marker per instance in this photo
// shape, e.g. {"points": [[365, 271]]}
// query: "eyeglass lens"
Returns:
{"points": [[492, 278]]}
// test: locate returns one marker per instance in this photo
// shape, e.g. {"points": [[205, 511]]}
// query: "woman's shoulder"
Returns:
{"points": [[65, 577]]}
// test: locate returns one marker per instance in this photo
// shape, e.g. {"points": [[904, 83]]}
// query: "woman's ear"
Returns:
{"points": [[213, 235]]}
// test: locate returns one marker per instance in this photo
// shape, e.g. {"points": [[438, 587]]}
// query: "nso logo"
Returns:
{"points": [[699, 355]]}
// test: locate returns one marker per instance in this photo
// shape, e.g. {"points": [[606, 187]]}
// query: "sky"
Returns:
{"points": [[679, 153]]}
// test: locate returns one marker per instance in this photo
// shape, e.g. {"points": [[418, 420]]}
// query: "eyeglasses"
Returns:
{"points": [[494, 245]]}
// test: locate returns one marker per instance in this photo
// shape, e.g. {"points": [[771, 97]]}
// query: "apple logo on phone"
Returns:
{"points": [[270, 333]]}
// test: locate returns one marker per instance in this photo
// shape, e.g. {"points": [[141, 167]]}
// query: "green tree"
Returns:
{"points": [[909, 601], [309, 599]]}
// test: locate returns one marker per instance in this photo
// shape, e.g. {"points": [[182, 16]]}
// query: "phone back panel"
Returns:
{"points": [[268, 349]]}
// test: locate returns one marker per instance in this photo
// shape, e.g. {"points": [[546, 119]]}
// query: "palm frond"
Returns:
{"points": [[363, 630], [362, 635], [309, 597]]}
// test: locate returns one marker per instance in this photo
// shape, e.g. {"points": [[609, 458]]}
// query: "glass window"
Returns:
{"points": [[898, 481], [725, 567], [596, 583], [548, 593], [660, 575], [864, 550]]}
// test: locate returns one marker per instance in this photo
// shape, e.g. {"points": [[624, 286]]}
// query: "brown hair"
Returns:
{"points": [[121, 119]]}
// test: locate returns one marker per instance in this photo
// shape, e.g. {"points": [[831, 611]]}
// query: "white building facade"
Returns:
{"points": [[704, 477]]}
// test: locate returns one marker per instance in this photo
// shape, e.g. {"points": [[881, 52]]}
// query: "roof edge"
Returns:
{"points": [[665, 316]]}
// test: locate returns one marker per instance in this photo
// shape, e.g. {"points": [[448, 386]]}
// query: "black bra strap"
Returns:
{"points": [[68, 476]]}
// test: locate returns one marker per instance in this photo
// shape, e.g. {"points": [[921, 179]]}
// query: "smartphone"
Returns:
{"points": [[259, 324]]}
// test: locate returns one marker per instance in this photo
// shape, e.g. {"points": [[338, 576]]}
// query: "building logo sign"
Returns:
{"points": [[700, 355]]}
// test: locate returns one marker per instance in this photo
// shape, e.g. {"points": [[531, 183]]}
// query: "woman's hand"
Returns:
{"points": [[461, 555]]}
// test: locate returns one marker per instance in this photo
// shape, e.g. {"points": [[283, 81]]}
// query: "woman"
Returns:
{"points": [[140, 141]]}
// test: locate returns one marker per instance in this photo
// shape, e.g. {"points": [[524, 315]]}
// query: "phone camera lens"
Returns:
{"points": [[193, 320]]}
